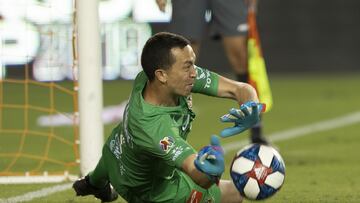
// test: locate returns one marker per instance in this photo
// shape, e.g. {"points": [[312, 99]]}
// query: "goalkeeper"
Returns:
{"points": [[147, 157]]}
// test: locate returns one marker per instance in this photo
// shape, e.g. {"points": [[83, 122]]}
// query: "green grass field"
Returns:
{"points": [[321, 166]]}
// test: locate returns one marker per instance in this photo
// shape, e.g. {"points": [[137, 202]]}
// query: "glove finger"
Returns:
{"points": [[215, 140], [238, 113], [228, 118], [255, 109], [245, 110], [249, 103], [227, 132]]}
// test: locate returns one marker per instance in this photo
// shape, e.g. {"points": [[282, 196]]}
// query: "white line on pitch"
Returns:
{"points": [[346, 120], [37, 194], [338, 122]]}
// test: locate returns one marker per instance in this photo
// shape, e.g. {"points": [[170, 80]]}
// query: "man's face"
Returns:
{"points": [[182, 74]]}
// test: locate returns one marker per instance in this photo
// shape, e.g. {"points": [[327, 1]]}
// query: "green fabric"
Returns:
{"points": [[99, 177], [207, 82], [143, 155], [179, 189]]}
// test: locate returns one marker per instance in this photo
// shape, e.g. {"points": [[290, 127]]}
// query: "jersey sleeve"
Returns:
{"points": [[168, 145], [206, 82]]}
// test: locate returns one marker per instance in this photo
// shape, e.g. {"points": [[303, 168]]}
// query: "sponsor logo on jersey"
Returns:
{"points": [[200, 74], [195, 197], [176, 152], [167, 143], [208, 79], [115, 147], [203, 74]]}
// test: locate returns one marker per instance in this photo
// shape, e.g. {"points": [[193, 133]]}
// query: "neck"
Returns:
{"points": [[158, 94]]}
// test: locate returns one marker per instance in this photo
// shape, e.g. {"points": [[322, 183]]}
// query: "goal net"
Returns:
{"points": [[46, 47], [37, 79]]}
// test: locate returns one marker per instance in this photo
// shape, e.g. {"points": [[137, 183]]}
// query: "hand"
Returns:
{"points": [[210, 160], [161, 4], [244, 118]]}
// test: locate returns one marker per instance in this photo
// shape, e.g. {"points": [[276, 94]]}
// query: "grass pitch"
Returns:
{"points": [[320, 167]]}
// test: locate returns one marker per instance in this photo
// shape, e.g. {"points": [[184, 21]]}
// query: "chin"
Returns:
{"points": [[186, 93]]}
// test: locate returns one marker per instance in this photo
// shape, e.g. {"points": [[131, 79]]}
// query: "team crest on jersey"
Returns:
{"points": [[167, 143]]}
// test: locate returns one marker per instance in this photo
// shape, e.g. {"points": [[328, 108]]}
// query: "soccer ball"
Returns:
{"points": [[258, 171]]}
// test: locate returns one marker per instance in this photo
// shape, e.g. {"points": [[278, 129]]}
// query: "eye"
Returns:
{"points": [[187, 68]]}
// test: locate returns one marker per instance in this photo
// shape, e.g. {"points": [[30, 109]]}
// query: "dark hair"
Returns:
{"points": [[157, 52]]}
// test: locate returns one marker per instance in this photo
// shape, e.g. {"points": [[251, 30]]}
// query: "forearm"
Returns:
{"points": [[241, 92], [244, 93]]}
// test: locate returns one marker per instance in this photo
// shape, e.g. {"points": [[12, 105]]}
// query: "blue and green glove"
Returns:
{"points": [[210, 160], [244, 118]]}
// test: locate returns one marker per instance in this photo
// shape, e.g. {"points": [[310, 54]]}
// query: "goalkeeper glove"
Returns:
{"points": [[244, 118], [210, 160]]}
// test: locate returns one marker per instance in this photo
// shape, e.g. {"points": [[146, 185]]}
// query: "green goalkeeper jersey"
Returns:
{"points": [[150, 145]]}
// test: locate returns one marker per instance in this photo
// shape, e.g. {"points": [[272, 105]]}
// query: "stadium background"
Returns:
{"points": [[297, 36], [312, 55], [301, 36]]}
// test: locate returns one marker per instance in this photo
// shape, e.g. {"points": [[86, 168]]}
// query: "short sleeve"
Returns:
{"points": [[206, 82]]}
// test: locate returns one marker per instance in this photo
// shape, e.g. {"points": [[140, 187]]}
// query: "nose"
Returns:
{"points": [[193, 72]]}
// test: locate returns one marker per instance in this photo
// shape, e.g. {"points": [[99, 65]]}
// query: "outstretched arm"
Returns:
{"points": [[241, 92]]}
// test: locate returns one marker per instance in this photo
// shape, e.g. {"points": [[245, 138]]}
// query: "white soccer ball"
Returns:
{"points": [[258, 171]]}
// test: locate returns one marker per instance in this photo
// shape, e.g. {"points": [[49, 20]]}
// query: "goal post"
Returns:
{"points": [[90, 83], [68, 47]]}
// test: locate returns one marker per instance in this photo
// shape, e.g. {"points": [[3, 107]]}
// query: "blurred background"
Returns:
{"points": [[311, 36], [297, 36], [312, 55]]}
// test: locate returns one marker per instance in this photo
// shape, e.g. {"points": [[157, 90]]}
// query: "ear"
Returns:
{"points": [[161, 75]]}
